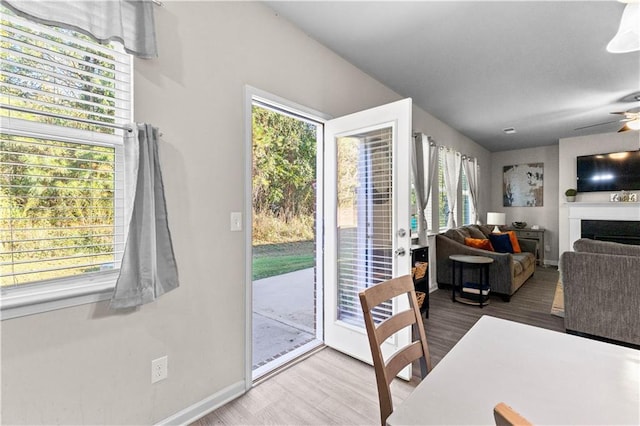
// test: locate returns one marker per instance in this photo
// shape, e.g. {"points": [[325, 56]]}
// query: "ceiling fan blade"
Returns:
{"points": [[624, 128], [619, 112], [629, 115], [599, 124]]}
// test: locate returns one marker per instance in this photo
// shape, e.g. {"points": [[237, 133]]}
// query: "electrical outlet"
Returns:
{"points": [[159, 369]]}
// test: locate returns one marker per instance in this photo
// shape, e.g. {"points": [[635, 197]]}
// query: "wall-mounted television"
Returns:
{"points": [[614, 171]]}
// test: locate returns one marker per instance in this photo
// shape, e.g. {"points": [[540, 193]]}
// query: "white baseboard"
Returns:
{"points": [[204, 407]]}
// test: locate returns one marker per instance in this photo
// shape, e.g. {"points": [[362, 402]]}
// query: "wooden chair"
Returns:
{"points": [[417, 349], [507, 416]]}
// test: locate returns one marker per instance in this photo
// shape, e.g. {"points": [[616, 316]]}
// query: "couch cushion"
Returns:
{"points": [[481, 243], [457, 234], [525, 259], [517, 268], [501, 243], [514, 241], [485, 229], [475, 232]]}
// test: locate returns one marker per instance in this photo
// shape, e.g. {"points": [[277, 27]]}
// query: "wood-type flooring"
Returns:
{"points": [[330, 388]]}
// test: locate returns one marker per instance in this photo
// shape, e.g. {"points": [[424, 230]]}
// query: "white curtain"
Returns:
{"points": [[425, 166], [148, 267], [130, 22], [452, 163], [471, 171]]}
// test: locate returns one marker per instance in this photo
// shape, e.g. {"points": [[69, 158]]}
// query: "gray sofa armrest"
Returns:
{"points": [[528, 245], [605, 247], [602, 295], [500, 271]]}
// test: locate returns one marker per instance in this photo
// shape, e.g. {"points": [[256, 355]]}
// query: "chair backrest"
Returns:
{"points": [[417, 349], [507, 416]]}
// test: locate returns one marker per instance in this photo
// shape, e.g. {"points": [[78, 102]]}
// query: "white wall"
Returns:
{"points": [[85, 365], [545, 216], [570, 148]]}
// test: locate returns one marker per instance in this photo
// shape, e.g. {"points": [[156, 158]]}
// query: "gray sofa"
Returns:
{"points": [[508, 271], [602, 290]]}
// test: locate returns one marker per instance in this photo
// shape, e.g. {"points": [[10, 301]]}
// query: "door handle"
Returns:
{"points": [[400, 251]]}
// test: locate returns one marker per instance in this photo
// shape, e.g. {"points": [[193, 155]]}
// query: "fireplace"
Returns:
{"points": [[627, 215], [619, 231]]}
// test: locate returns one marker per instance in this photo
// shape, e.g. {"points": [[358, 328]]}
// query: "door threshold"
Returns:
{"points": [[297, 355]]}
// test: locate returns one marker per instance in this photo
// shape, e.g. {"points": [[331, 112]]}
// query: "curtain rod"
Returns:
{"points": [[433, 143], [448, 148], [462, 155]]}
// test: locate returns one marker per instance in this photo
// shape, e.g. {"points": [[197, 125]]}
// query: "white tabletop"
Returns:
{"points": [[547, 376]]}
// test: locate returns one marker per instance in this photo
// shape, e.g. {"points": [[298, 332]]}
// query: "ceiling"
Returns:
{"points": [[539, 67]]}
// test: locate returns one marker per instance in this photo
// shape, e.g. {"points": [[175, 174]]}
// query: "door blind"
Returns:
{"points": [[65, 103], [364, 220]]}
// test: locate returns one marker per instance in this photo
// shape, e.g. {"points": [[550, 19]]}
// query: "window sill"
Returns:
{"points": [[59, 294]]}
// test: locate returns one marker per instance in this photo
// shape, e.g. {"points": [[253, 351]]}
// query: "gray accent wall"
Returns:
{"points": [[545, 216]]}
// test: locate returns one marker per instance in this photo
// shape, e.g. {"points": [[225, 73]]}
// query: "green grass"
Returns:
{"points": [[276, 259]]}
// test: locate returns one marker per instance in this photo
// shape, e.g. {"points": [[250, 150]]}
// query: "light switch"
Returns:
{"points": [[236, 221]]}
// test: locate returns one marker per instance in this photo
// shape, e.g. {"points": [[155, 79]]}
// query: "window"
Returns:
{"points": [[65, 103], [464, 214], [429, 213]]}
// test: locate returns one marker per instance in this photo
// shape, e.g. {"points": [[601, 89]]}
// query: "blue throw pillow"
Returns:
{"points": [[501, 243]]}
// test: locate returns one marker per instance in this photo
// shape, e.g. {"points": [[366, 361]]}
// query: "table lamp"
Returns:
{"points": [[494, 218]]}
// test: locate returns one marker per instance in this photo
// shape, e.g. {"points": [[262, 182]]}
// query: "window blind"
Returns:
{"points": [[466, 201], [57, 76], [65, 102]]}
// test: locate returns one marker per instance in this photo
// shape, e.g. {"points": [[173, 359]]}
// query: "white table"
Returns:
{"points": [[547, 376]]}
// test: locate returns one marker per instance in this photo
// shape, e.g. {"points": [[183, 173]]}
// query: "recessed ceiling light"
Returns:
{"points": [[509, 130]]}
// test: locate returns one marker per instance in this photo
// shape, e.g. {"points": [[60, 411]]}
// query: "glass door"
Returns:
{"points": [[367, 230]]}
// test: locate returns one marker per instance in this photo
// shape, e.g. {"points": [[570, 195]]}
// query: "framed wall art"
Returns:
{"points": [[523, 185]]}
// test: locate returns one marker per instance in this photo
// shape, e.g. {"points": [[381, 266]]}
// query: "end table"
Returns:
{"points": [[471, 293]]}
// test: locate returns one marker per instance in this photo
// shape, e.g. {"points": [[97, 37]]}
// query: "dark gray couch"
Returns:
{"points": [[602, 290], [508, 271]]}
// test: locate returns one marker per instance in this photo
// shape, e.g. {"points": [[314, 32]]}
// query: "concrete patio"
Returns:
{"points": [[283, 314]]}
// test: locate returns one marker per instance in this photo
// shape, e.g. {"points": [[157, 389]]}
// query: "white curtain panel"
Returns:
{"points": [[452, 164], [422, 184], [471, 171], [130, 22], [148, 267]]}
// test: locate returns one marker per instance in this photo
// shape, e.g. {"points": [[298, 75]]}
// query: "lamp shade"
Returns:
{"points": [[494, 218], [627, 39]]}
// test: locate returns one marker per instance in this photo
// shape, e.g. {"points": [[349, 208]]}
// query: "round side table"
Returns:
{"points": [[471, 293]]}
